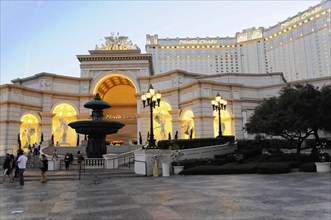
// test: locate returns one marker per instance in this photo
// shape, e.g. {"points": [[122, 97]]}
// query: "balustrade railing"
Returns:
{"points": [[91, 163]]}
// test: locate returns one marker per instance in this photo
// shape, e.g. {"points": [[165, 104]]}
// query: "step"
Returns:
{"points": [[66, 175]]}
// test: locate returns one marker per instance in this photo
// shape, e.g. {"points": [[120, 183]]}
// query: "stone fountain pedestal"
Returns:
{"points": [[97, 128]]}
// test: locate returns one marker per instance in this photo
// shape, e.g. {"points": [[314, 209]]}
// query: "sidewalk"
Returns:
{"points": [[304, 196]]}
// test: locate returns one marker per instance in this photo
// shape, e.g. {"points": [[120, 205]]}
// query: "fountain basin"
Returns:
{"points": [[96, 127]]}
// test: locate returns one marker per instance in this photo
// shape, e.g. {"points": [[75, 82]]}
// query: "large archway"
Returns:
{"points": [[64, 135], [29, 130], [187, 125], [119, 92], [225, 123], [162, 121]]}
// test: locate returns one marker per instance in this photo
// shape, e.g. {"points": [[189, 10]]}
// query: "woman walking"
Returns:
{"points": [[43, 168]]}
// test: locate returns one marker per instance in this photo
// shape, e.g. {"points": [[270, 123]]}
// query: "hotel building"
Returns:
{"points": [[188, 72], [298, 47]]}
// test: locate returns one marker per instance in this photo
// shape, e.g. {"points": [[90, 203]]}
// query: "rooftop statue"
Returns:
{"points": [[117, 43]]}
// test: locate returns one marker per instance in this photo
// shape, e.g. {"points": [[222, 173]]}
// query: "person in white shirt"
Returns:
{"points": [[21, 162]]}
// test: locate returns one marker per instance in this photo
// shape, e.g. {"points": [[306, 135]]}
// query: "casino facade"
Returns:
{"points": [[188, 72]]}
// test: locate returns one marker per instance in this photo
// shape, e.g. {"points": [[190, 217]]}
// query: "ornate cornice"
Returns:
{"points": [[83, 58]]}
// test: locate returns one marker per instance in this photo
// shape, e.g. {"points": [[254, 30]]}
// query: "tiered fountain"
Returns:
{"points": [[97, 128]]}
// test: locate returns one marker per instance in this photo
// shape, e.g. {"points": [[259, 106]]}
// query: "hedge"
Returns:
{"points": [[235, 168], [273, 168], [307, 167], [302, 158], [231, 168], [193, 143], [277, 144]]}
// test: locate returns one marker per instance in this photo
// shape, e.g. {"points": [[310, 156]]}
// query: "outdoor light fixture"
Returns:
{"points": [[151, 99], [219, 104]]}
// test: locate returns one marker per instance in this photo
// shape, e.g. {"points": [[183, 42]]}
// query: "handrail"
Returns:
{"points": [[130, 157]]}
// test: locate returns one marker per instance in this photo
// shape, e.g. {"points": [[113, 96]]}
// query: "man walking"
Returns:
{"points": [[21, 162]]}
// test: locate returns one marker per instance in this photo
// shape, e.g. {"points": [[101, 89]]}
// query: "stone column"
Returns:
{"points": [[143, 126], [175, 122], [46, 127]]}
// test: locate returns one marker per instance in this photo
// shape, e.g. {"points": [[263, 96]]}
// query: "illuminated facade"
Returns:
{"points": [[41, 106], [298, 47]]}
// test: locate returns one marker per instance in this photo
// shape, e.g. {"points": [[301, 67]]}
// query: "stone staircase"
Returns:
{"points": [[33, 174]]}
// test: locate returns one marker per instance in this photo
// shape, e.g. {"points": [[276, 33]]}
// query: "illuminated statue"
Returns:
{"points": [[187, 126], [162, 121], [222, 128], [63, 128], [27, 132]]}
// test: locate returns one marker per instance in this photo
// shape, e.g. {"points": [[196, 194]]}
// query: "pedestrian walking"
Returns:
{"points": [[21, 161], [16, 166], [80, 160], [13, 166], [71, 158], [7, 168], [67, 161], [43, 168]]}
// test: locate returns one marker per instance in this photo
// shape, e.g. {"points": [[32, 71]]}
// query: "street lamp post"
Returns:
{"points": [[151, 99], [219, 104]]}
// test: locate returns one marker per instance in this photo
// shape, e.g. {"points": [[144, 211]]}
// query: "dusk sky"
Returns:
{"points": [[46, 36]]}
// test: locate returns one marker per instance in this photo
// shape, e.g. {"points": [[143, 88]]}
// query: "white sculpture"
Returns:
{"points": [[63, 129], [162, 123]]}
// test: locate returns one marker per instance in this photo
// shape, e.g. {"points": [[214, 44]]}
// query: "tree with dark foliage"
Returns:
{"points": [[299, 111]]}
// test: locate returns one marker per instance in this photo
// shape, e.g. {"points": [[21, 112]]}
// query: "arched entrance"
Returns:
{"points": [[29, 130], [187, 125], [119, 92], [162, 121], [225, 123], [64, 135]]}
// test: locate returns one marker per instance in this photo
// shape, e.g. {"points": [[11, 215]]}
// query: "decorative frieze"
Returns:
{"points": [[206, 92], [84, 88], [162, 85], [45, 84], [4, 97], [62, 87], [15, 96], [31, 100], [186, 96]]}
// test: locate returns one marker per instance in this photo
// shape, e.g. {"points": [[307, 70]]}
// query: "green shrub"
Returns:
{"points": [[307, 167], [294, 164], [230, 168], [267, 143], [311, 143], [228, 158], [241, 168], [188, 163], [273, 168], [203, 170], [193, 143], [304, 158]]}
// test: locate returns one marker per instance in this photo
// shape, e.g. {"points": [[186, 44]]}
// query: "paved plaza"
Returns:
{"points": [[121, 195]]}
